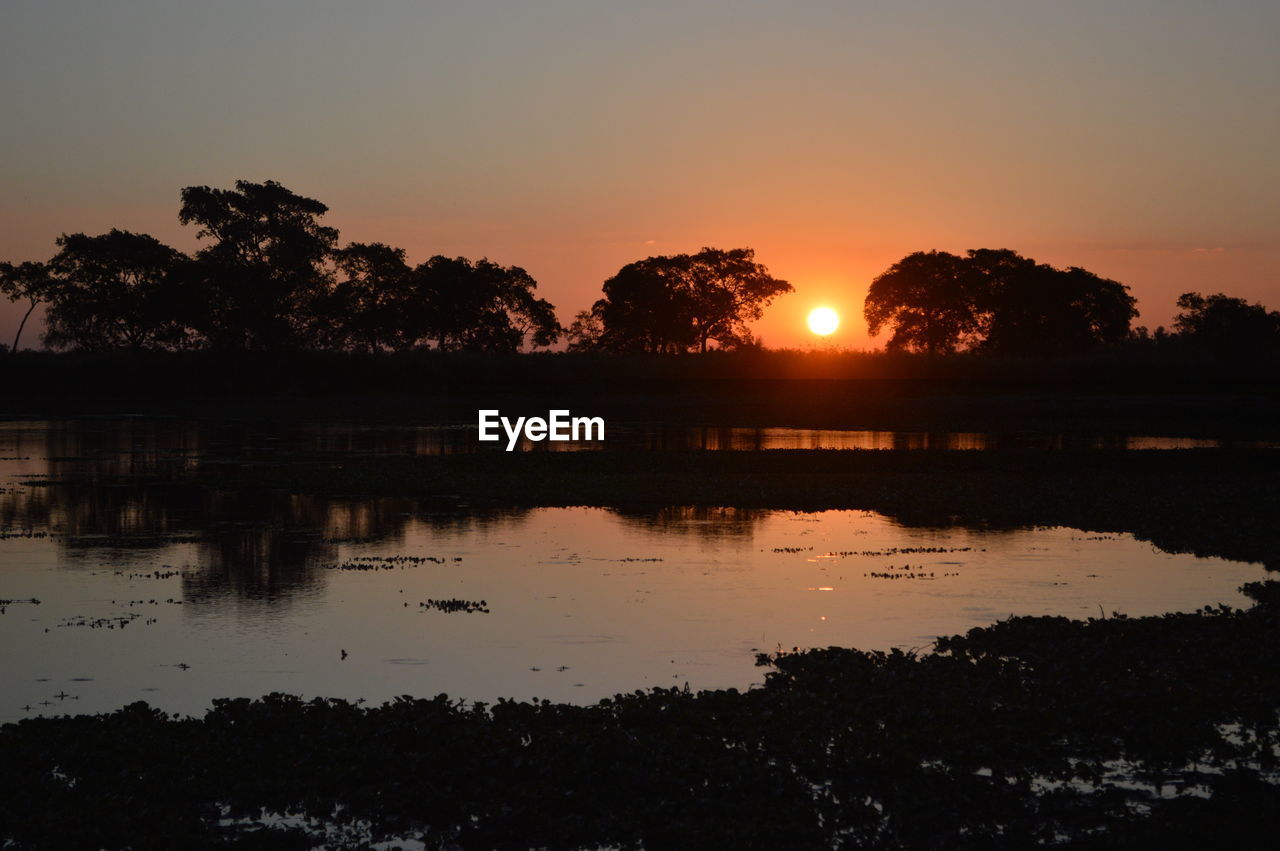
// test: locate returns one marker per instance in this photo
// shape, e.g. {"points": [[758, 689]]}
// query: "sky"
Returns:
{"points": [[1140, 140]]}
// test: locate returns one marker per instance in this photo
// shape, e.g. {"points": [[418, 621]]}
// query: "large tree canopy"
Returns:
{"points": [[265, 269], [645, 309], [449, 303], [995, 300], [681, 302], [274, 277], [1226, 325], [1041, 310], [116, 290], [459, 304], [367, 307], [932, 300]]}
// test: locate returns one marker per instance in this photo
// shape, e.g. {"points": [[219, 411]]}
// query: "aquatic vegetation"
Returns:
{"points": [[110, 622], [455, 605], [906, 571], [5, 604], [165, 572], [396, 562], [890, 551], [6, 534], [1111, 732]]}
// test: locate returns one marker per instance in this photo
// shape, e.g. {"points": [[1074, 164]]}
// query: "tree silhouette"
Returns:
{"points": [[644, 309], [993, 269], [675, 303], [1226, 325], [31, 282], [585, 331], [264, 272], [1040, 310], [727, 291], [995, 300], [271, 277], [367, 307], [932, 299], [116, 290], [458, 305]]}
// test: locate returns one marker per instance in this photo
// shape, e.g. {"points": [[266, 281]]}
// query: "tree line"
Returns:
{"points": [[271, 276], [996, 301]]}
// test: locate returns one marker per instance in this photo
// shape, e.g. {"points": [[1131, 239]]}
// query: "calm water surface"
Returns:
{"points": [[175, 596]]}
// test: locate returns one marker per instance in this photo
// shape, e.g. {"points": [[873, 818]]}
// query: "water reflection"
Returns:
{"points": [[757, 439], [154, 590], [111, 488], [114, 486], [711, 522], [168, 447], [582, 603]]}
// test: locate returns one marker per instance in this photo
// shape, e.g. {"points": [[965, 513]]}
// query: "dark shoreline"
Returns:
{"points": [[1033, 730], [1114, 393]]}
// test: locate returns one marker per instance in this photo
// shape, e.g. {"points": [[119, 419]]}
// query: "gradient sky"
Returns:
{"points": [[1140, 140]]}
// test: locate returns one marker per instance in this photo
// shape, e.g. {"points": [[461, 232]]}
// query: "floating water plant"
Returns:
{"points": [[455, 605]]}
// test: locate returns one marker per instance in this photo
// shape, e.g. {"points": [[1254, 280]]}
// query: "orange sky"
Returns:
{"points": [[572, 138]]}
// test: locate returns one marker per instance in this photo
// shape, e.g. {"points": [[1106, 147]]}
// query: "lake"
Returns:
{"points": [[152, 591]]}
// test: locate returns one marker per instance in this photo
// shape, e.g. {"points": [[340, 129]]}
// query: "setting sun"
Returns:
{"points": [[823, 321]]}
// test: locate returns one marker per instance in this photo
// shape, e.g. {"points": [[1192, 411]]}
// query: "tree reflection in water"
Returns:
{"points": [[106, 488]]}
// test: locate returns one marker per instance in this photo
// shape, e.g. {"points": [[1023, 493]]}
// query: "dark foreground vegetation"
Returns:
{"points": [[1137, 392], [1111, 733]]}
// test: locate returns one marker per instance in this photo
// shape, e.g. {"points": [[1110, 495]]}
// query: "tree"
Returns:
{"points": [[585, 331], [932, 299], [1040, 310], [645, 309], [1226, 325], [31, 282], [458, 304], [728, 290], [264, 272], [995, 300], [534, 319], [675, 303], [993, 269], [115, 290], [367, 306]]}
